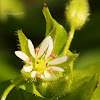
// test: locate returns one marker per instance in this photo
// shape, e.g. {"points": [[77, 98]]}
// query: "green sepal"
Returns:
{"points": [[29, 86], [23, 43], [59, 87], [56, 31], [68, 66], [51, 89]]}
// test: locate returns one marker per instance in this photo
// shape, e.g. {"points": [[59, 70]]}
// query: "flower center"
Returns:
{"points": [[40, 66]]}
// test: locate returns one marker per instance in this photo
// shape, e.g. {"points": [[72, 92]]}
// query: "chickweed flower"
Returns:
{"points": [[44, 62]]}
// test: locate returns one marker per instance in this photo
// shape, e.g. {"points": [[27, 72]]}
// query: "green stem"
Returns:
{"points": [[6, 92], [70, 37]]}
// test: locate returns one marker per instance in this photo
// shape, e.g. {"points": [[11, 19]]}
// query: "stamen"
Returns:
{"points": [[97, 85], [37, 62], [37, 49], [46, 64], [29, 59], [45, 5], [51, 69], [38, 75], [43, 56], [45, 52], [52, 55]]}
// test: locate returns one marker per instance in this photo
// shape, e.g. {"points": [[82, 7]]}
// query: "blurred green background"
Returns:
{"points": [[27, 16]]}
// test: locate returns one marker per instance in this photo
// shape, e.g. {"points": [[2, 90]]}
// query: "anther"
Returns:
{"points": [[29, 60], [37, 49], [38, 75], [37, 62], [46, 64], [51, 69], [97, 85], [45, 52], [52, 55], [45, 5]]}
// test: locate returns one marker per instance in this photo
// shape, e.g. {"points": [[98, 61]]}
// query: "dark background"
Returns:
{"points": [[86, 41]]}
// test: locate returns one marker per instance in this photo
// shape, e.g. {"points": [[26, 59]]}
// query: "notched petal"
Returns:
{"points": [[57, 68], [31, 48], [47, 74], [27, 68], [50, 48], [58, 60], [42, 76], [33, 74], [21, 55], [44, 46]]}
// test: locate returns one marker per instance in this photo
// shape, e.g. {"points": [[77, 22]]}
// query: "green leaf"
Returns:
{"points": [[29, 87], [23, 43], [56, 31], [96, 95], [88, 64], [88, 71], [83, 91], [20, 83], [17, 93]]}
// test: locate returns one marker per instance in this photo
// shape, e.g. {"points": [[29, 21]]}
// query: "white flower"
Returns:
{"points": [[42, 66]]}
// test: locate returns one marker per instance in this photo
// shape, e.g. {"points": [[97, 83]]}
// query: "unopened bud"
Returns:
{"points": [[77, 12]]}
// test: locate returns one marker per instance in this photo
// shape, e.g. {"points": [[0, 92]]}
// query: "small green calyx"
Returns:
{"points": [[77, 13]]}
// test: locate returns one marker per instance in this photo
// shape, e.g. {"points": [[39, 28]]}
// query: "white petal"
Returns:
{"points": [[21, 55], [50, 48], [44, 46], [31, 48], [47, 74], [27, 68], [56, 68], [58, 60], [33, 74], [42, 76]]}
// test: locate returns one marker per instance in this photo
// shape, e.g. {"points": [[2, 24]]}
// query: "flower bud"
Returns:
{"points": [[77, 13]]}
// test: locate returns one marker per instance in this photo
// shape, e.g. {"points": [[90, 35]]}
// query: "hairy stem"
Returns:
{"points": [[6, 92], [70, 37]]}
